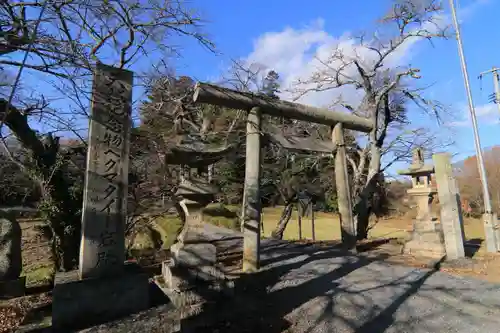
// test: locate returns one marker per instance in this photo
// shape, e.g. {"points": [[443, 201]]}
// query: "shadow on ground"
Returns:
{"points": [[308, 289], [472, 246]]}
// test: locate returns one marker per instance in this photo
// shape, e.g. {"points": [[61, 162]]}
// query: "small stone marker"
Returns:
{"points": [[105, 194], [10, 249], [11, 284], [451, 209]]}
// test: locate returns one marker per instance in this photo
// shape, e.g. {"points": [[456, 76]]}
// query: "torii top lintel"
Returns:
{"points": [[212, 94]]}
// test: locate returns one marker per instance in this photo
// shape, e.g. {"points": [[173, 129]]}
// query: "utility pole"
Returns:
{"points": [[496, 78], [489, 220]]}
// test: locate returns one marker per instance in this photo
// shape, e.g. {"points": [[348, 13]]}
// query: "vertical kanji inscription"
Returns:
{"points": [[102, 249]]}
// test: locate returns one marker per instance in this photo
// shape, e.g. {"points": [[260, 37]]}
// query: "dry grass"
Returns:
{"points": [[327, 226], [37, 263], [38, 269], [168, 226]]}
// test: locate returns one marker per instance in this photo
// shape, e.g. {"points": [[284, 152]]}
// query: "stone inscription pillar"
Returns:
{"points": [[451, 208], [102, 249]]}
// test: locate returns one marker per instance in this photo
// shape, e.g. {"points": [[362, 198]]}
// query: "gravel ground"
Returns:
{"points": [[311, 289], [325, 290], [306, 289]]}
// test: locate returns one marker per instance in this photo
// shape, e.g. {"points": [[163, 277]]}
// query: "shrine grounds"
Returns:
{"points": [[386, 239], [393, 230]]}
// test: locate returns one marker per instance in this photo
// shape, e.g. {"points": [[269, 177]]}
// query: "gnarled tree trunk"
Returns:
{"points": [[283, 222], [60, 207], [363, 200], [278, 232]]}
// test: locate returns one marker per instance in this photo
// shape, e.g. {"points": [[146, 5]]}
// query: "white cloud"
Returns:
{"points": [[299, 53], [296, 54], [487, 110], [487, 114]]}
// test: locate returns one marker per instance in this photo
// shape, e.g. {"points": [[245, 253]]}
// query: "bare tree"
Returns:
{"points": [[71, 37], [284, 173], [470, 184], [386, 88]]}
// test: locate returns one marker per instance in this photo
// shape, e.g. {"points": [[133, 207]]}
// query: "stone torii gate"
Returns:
{"points": [[256, 106]]}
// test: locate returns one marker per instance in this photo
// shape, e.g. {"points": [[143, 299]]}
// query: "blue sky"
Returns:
{"points": [[237, 27], [285, 34]]}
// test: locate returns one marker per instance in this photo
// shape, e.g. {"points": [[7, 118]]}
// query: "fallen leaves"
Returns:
{"points": [[11, 318]]}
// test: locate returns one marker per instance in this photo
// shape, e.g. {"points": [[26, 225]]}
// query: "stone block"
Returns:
{"points": [[490, 224], [12, 288], [174, 275], [451, 208], [173, 279], [185, 298], [80, 303], [428, 237], [426, 244], [426, 227], [183, 292], [10, 248], [194, 232], [194, 255], [181, 279]]}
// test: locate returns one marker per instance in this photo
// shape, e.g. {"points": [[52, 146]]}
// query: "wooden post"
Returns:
{"points": [[348, 229], [251, 229], [299, 214], [313, 231]]}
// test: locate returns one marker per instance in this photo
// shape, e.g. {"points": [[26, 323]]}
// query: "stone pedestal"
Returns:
{"points": [[429, 243], [83, 302], [427, 236], [191, 279], [193, 282], [192, 275]]}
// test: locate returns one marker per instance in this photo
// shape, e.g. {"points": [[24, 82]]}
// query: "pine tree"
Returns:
{"points": [[271, 84]]}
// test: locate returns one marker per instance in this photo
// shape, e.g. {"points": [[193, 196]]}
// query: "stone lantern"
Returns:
{"points": [[427, 236], [192, 273]]}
